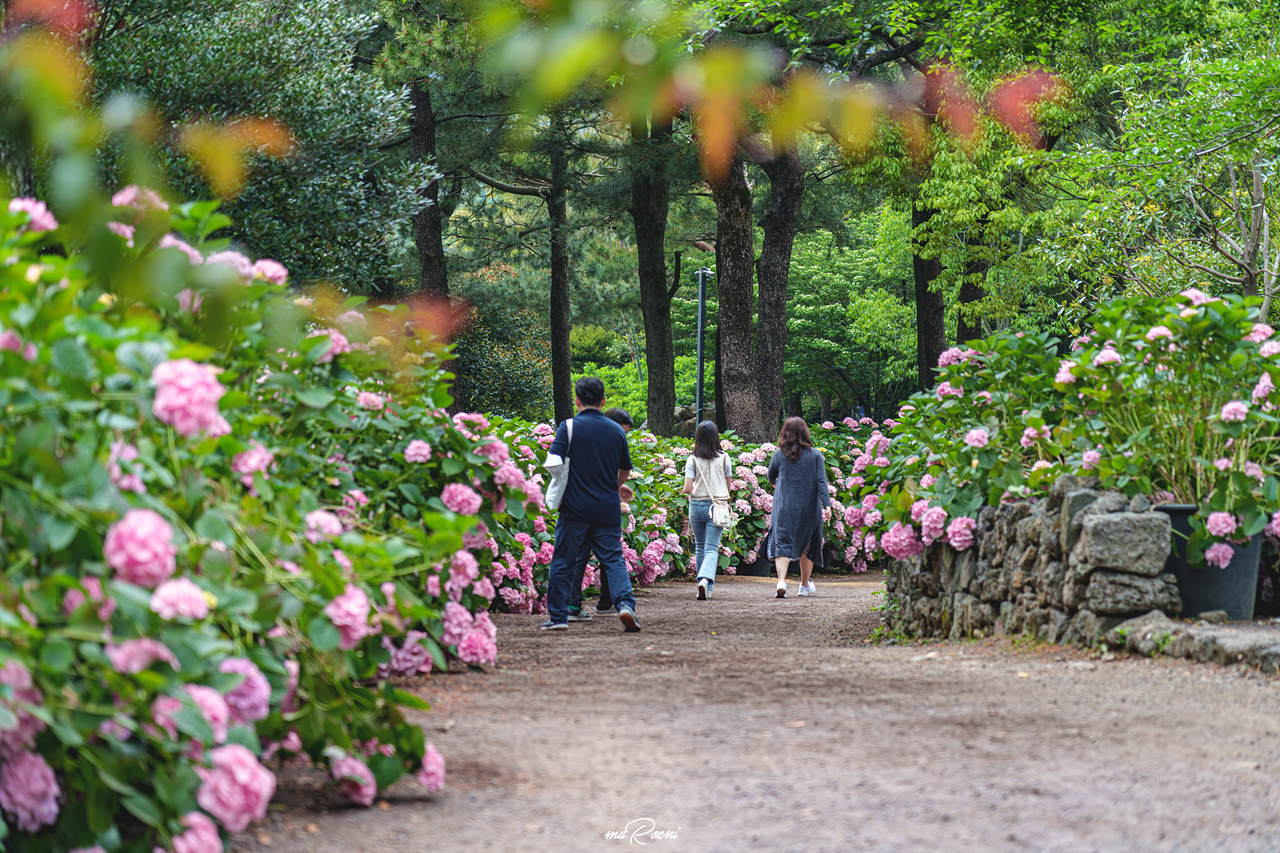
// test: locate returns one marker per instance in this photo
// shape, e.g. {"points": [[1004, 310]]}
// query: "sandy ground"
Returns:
{"points": [[750, 723]]}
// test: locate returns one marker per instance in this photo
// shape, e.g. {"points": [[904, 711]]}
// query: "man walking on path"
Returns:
{"points": [[605, 604], [590, 512]]}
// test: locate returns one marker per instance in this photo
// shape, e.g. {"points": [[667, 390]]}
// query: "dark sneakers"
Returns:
{"points": [[577, 614], [628, 618], [608, 609], [555, 626]]}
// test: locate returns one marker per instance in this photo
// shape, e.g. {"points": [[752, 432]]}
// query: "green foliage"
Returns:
{"points": [[595, 344], [627, 387], [335, 208]]}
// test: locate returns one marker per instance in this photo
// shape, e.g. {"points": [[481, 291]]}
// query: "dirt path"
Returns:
{"points": [[746, 723]]}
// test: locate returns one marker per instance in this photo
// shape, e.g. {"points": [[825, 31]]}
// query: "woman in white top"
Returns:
{"points": [[706, 477]]}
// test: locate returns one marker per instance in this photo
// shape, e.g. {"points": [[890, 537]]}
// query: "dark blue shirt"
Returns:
{"points": [[598, 453]]}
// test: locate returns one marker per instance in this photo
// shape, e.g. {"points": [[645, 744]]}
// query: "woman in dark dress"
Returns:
{"points": [[800, 504]]}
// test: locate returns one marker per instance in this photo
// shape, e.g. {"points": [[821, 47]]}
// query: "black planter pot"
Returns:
{"points": [[1205, 588]]}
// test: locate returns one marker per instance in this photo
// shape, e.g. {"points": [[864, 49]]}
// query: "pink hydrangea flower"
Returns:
{"points": [[249, 701], [133, 656], [1157, 332], [21, 737], [461, 498], [960, 533], [417, 451], [1196, 297], [1090, 459], [321, 525], [237, 789], [256, 459], [123, 451], [242, 266], [273, 271], [976, 438], [1264, 388], [29, 791], [955, 355], [180, 598], [1222, 464], [140, 548], [1219, 554], [1106, 356], [187, 396], [338, 345], [431, 776], [41, 218], [1269, 349], [213, 707], [139, 198], [1234, 411], [901, 542], [357, 780], [369, 400], [457, 624], [1221, 524], [1064, 376], [201, 835], [946, 389], [1259, 333], [169, 241], [349, 613], [123, 231], [933, 524]]}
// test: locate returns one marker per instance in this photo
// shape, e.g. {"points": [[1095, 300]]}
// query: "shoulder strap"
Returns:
{"points": [[568, 425]]}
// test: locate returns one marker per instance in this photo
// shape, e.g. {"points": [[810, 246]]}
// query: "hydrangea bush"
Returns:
{"points": [[221, 551], [1167, 397]]}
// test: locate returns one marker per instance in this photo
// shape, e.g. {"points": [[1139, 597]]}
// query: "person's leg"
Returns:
{"points": [[780, 565], [606, 541], [569, 540], [806, 570], [710, 559], [699, 512], [606, 599], [579, 573]]}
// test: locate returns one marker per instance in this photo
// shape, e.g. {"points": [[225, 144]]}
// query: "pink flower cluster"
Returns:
{"points": [[139, 198], [1234, 411], [1090, 459], [249, 701], [1259, 333], [946, 389], [22, 736], [187, 396], [338, 345], [976, 438], [1106, 356], [38, 213], [1219, 555], [256, 459], [122, 451], [1155, 333], [901, 542], [955, 355], [133, 656], [1263, 389], [417, 451], [357, 780], [1064, 376], [431, 776], [12, 341], [933, 524], [1221, 524], [960, 533], [201, 835], [461, 498], [349, 613], [140, 548], [237, 789], [29, 791], [180, 598], [321, 525], [1031, 435]]}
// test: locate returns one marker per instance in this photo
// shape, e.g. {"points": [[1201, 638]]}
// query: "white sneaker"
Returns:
{"points": [[782, 589], [702, 589], [808, 589]]}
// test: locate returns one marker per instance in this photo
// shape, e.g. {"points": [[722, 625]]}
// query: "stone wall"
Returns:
{"points": [[1066, 568]]}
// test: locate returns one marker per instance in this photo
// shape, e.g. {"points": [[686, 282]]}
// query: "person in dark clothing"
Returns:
{"points": [[590, 512], [605, 604], [801, 502]]}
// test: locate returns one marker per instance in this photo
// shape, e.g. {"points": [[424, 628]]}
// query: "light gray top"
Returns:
{"points": [[718, 487], [800, 493]]}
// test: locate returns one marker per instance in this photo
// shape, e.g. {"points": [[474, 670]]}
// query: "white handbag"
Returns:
{"points": [[558, 469]]}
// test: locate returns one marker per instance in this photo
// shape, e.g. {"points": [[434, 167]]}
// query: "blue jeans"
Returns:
{"points": [[706, 538], [579, 572], [571, 537]]}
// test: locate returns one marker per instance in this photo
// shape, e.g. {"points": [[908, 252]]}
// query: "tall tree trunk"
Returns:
{"points": [[795, 407], [931, 308], [557, 211], [786, 185], [971, 284], [428, 223], [735, 249], [650, 201]]}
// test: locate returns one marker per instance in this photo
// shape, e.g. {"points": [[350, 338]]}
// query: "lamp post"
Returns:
{"points": [[702, 276]]}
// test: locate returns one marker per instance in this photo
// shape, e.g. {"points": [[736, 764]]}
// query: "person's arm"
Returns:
{"points": [[561, 442], [824, 494], [775, 467], [689, 476], [624, 491]]}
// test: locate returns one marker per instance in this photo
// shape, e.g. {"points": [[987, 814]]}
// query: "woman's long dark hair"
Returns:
{"points": [[794, 438], [706, 441]]}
